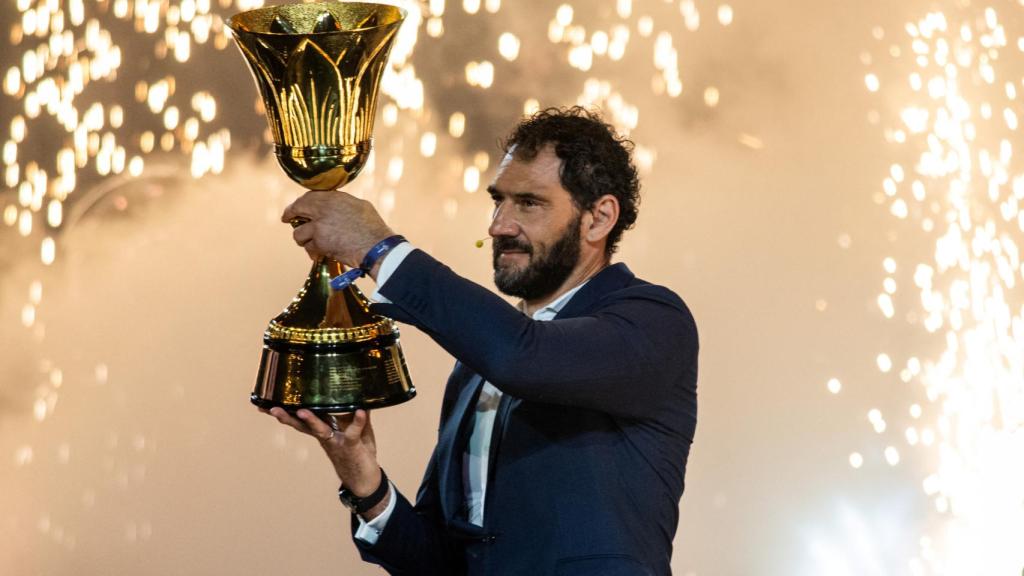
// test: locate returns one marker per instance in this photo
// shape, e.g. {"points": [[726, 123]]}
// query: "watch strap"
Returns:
{"points": [[363, 505]]}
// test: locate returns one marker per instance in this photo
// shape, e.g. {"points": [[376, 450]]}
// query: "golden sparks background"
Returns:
{"points": [[833, 188]]}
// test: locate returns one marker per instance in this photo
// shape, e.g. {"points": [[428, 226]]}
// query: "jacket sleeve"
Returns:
{"points": [[413, 541], [620, 358]]}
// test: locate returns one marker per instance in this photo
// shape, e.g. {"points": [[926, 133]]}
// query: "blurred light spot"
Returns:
{"points": [[911, 435], [39, 409], [508, 46], [892, 456], [645, 26], [428, 144], [482, 160], [725, 14], [390, 114], [624, 8], [471, 179], [456, 124], [435, 27], [711, 96], [884, 362], [876, 420], [885, 304], [872, 83], [480, 74], [834, 386], [25, 223], [564, 15], [396, 166], [35, 292], [28, 315], [101, 373]]}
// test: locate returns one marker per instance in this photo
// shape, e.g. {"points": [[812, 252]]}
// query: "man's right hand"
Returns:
{"points": [[351, 447]]}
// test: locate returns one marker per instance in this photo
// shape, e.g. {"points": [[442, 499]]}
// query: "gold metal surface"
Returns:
{"points": [[318, 67], [326, 352]]}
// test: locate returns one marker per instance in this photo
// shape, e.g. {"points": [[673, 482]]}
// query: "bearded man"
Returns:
{"points": [[567, 421]]}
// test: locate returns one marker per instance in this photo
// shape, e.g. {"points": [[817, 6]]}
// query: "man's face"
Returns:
{"points": [[536, 227]]}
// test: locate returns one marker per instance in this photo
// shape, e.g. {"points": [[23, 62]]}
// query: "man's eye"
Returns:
{"points": [[528, 203]]}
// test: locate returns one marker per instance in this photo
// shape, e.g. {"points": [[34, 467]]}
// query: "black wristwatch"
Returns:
{"points": [[362, 505]]}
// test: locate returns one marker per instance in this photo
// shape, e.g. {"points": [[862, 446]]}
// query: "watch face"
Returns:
{"points": [[351, 502]]}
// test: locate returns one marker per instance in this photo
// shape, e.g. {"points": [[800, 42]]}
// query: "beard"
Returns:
{"points": [[546, 272]]}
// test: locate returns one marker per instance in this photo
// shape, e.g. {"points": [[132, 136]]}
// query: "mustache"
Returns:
{"points": [[507, 243]]}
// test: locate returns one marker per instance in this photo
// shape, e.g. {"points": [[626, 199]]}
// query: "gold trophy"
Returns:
{"points": [[318, 67]]}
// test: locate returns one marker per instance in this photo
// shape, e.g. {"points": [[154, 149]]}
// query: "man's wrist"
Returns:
{"points": [[361, 500], [365, 486]]}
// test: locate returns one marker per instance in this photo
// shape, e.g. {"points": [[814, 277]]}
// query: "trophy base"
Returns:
{"points": [[339, 409], [332, 378]]}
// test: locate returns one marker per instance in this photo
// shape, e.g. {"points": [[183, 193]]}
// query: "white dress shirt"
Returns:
{"points": [[476, 458]]}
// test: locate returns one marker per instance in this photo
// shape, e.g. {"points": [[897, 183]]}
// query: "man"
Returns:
{"points": [[566, 423]]}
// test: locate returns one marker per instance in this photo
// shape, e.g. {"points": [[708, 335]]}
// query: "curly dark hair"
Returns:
{"points": [[595, 160]]}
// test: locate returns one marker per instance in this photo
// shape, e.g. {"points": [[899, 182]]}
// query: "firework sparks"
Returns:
{"points": [[958, 122]]}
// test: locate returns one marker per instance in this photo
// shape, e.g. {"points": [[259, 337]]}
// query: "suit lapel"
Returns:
{"points": [[610, 278], [450, 442]]}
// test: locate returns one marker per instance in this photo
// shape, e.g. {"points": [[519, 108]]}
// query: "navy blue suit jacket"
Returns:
{"points": [[591, 437]]}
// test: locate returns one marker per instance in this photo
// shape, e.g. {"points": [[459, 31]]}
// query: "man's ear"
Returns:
{"points": [[604, 214]]}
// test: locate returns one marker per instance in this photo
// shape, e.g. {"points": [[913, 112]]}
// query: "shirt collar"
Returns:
{"points": [[555, 306]]}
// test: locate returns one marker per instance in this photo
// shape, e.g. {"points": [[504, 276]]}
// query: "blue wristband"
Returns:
{"points": [[379, 249]]}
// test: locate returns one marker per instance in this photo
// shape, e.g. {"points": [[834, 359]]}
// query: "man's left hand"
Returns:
{"points": [[338, 225]]}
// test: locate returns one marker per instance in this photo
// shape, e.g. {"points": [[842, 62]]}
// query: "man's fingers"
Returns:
{"points": [[317, 427], [287, 419], [312, 251], [303, 207], [289, 213], [303, 234]]}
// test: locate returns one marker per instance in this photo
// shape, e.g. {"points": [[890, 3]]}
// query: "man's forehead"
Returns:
{"points": [[518, 175], [541, 169]]}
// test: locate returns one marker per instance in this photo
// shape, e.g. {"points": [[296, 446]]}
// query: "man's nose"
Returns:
{"points": [[502, 223]]}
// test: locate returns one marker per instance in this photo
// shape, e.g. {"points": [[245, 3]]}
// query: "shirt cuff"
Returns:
{"points": [[370, 531], [392, 260]]}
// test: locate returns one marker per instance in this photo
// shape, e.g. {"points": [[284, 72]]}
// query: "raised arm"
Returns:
{"points": [[623, 357]]}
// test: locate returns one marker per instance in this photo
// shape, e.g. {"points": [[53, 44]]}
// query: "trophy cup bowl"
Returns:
{"points": [[318, 67]]}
